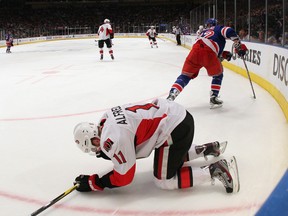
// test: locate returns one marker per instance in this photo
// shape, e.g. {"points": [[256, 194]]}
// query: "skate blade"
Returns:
{"points": [[233, 169], [215, 106]]}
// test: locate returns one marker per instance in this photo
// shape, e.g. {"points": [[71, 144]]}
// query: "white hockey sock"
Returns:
{"points": [[201, 176], [192, 153]]}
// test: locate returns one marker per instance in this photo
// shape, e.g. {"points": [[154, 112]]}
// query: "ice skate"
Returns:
{"points": [[226, 171], [214, 149], [101, 57], [215, 102], [173, 94], [112, 56]]}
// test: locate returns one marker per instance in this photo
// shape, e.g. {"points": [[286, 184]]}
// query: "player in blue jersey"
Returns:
{"points": [[208, 52], [9, 41]]}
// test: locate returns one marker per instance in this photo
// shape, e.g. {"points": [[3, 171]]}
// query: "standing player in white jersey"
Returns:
{"points": [[132, 131], [151, 33], [105, 33]]}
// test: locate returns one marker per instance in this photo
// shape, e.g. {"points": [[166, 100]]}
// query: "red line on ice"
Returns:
{"points": [[92, 210], [66, 115]]}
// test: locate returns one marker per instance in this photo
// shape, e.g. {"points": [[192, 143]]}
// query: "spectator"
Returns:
{"points": [[243, 34], [271, 39]]}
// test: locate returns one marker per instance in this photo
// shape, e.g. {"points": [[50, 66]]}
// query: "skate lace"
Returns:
{"points": [[222, 179], [220, 175]]}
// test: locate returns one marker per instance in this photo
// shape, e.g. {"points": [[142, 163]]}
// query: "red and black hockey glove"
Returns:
{"points": [[88, 183], [227, 55], [240, 49]]}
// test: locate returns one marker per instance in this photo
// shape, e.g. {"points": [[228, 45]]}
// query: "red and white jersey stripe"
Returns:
{"points": [[133, 131], [104, 31]]}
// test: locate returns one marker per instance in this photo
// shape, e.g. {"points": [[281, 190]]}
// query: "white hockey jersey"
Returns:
{"points": [[133, 131], [104, 31], [152, 33]]}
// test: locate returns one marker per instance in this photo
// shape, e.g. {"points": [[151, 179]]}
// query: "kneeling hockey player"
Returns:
{"points": [[132, 131]]}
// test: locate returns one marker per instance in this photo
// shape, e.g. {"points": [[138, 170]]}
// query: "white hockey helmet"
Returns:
{"points": [[152, 27], [83, 133], [106, 21], [201, 27]]}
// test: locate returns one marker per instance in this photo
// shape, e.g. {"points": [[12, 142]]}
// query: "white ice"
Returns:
{"points": [[47, 88]]}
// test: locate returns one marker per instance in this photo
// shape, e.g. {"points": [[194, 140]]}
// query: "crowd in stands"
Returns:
{"points": [[258, 24], [30, 22], [85, 19]]}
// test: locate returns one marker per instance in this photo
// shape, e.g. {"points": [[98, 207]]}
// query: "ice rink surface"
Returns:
{"points": [[47, 88]]}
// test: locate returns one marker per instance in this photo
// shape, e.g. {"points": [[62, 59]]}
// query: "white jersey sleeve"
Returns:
{"points": [[119, 146]]}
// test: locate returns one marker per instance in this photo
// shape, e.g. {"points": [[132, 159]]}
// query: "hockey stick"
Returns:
{"points": [[249, 77], [55, 200]]}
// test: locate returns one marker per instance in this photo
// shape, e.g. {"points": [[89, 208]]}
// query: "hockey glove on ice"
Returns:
{"points": [[227, 55], [88, 183], [240, 49]]}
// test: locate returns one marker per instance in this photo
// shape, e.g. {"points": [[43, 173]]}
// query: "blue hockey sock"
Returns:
{"points": [[181, 82], [216, 84]]}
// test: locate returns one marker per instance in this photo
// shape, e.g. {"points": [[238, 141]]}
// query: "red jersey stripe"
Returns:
{"points": [[160, 162], [147, 128], [185, 177]]}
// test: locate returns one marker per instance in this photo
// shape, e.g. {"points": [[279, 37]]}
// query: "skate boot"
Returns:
{"points": [[226, 172], [101, 57], [213, 148], [173, 94], [215, 102], [112, 56]]}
